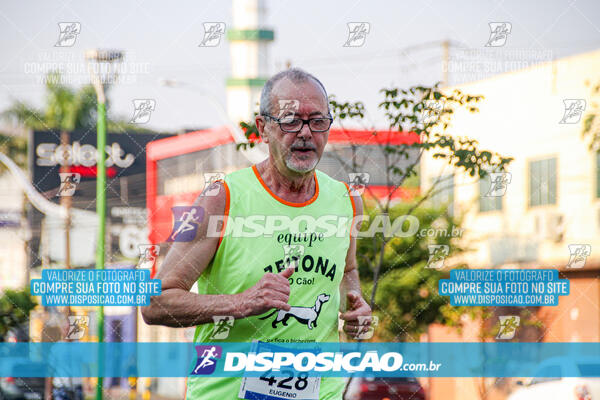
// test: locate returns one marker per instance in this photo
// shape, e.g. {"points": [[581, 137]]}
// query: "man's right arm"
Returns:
{"points": [[177, 307]]}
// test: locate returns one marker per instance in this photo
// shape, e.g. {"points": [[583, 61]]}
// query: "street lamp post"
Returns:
{"points": [[101, 65]]}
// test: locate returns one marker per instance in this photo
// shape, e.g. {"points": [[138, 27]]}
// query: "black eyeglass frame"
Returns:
{"points": [[304, 122]]}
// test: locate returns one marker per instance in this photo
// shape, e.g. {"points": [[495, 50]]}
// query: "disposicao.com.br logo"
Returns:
{"points": [[310, 361], [325, 226]]}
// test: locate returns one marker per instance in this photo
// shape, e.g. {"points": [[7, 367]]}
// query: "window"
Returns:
{"points": [[443, 193], [542, 182], [486, 202], [184, 173], [337, 163]]}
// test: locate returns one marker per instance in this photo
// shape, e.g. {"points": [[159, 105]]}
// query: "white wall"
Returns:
{"points": [[519, 117], [13, 272]]}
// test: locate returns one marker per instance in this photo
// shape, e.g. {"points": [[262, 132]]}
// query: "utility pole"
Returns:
{"points": [[66, 202], [104, 73]]}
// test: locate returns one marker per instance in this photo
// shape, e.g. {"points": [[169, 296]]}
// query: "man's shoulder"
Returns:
{"points": [[325, 179], [240, 174], [337, 187]]}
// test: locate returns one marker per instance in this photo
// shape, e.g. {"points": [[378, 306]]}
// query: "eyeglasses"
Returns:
{"points": [[290, 124]]}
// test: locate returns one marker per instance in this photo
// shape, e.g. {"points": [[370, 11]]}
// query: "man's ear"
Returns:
{"points": [[260, 126]]}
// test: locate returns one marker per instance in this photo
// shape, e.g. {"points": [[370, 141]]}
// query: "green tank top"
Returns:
{"points": [[246, 253]]}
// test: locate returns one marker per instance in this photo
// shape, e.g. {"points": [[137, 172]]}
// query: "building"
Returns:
{"points": [[249, 43], [14, 234], [551, 209]]}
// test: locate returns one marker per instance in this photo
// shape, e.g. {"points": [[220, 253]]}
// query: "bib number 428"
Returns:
{"points": [[288, 384], [299, 382]]}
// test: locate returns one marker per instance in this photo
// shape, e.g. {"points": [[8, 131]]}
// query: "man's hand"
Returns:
{"points": [[357, 307], [272, 291]]}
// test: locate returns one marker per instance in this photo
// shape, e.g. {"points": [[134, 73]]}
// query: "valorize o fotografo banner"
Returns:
{"points": [[95, 287], [504, 287], [133, 287], [511, 287]]}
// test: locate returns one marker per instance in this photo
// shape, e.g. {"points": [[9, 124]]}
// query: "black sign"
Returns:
{"points": [[126, 182], [125, 155]]}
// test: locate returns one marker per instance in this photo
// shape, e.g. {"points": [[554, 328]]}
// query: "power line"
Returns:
{"points": [[379, 54]]}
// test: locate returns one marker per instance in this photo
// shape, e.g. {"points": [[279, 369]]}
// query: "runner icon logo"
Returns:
{"points": [[142, 110], [437, 255], [213, 31], [223, 324], [508, 326], [358, 182], [499, 183], [357, 33], [210, 189], [574, 108], [77, 326], [148, 255], [186, 220], [207, 359], [68, 183], [68, 33], [578, 254], [499, 32]]}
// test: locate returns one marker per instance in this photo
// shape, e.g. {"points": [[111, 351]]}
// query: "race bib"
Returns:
{"points": [[288, 384]]}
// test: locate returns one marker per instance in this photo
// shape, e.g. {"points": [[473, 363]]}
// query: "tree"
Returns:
{"points": [[398, 264], [66, 109], [14, 147], [591, 121], [425, 112], [406, 300], [15, 306]]}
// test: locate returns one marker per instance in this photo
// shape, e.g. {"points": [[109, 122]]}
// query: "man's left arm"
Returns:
{"points": [[357, 315]]}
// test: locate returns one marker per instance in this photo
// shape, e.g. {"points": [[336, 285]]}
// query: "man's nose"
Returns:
{"points": [[305, 133]]}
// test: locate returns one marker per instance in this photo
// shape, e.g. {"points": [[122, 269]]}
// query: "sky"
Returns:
{"points": [[402, 48]]}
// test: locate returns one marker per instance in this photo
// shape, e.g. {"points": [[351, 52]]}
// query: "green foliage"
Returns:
{"points": [[407, 300], [66, 109], [251, 132], [427, 112], [590, 128], [14, 147], [15, 306]]}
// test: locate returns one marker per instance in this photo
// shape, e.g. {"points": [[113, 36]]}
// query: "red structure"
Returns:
{"points": [[159, 203]]}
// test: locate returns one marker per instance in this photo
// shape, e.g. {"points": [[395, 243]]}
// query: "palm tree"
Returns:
{"points": [[66, 109]]}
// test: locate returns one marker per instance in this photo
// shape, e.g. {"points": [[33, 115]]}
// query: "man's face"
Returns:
{"points": [[301, 151]]}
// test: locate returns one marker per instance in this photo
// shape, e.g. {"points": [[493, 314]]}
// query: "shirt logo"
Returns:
{"points": [[305, 315]]}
